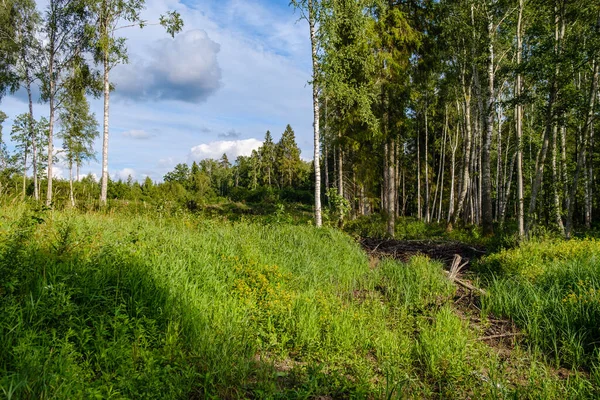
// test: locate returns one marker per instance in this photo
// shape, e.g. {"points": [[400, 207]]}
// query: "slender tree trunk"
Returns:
{"points": [[404, 199], [556, 209], [439, 213], [419, 210], [391, 203], [440, 171], [506, 196], [24, 176], [104, 186], [454, 147], [71, 195], [341, 177], [386, 179], [582, 147], [467, 154], [427, 206], [550, 115], [36, 193], [519, 124], [499, 167], [317, 141], [50, 144], [589, 190], [397, 177], [326, 164], [486, 191], [563, 166]]}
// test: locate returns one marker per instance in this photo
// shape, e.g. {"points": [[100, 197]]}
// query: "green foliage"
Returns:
{"points": [[535, 258], [550, 289], [131, 306], [79, 125], [339, 205]]}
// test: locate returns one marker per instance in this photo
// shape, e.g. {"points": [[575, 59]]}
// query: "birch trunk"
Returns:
{"points": [[466, 156], [454, 147], [50, 143], [317, 141], [486, 173], [104, 187], [439, 213], [36, 193], [556, 208], [519, 124]]}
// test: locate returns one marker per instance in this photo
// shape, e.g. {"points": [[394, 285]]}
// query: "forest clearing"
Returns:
{"points": [[111, 305], [427, 229]]}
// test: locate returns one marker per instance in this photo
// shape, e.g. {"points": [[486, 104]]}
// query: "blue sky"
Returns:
{"points": [[238, 69]]}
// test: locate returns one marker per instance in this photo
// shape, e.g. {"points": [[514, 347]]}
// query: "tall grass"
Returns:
{"points": [[125, 306], [552, 290]]}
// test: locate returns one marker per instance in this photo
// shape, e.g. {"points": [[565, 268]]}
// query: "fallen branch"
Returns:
{"points": [[512, 334], [465, 284]]}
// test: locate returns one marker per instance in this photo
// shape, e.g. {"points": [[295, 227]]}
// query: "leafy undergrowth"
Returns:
{"points": [[551, 289], [374, 226], [111, 306]]}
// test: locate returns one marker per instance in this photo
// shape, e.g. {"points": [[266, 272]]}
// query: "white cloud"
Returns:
{"points": [[233, 149], [137, 134], [184, 68]]}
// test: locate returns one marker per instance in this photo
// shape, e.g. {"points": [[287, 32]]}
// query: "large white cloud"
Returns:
{"points": [[184, 68], [233, 149]]}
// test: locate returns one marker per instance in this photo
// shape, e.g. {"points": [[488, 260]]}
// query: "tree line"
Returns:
{"points": [[67, 50], [272, 173], [459, 111]]}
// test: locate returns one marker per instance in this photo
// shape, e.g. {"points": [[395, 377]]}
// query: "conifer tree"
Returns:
{"points": [[287, 157]]}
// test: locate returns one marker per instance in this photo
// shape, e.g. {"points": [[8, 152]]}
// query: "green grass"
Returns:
{"points": [[552, 290], [108, 305]]}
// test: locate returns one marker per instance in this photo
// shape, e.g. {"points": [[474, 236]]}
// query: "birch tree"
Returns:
{"points": [[64, 26], [310, 11], [108, 17]]}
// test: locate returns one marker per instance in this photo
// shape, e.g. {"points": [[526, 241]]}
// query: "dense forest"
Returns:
{"points": [[454, 111], [441, 243]]}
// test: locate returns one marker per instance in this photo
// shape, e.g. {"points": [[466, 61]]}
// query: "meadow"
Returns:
{"points": [[153, 305]]}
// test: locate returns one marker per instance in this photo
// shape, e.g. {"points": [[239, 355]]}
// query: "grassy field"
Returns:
{"points": [[121, 306], [552, 290]]}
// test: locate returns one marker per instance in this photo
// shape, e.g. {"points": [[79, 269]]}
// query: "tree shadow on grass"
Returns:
{"points": [[81, 320]]}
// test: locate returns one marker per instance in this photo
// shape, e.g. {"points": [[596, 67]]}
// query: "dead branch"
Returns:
{"points": [[504, 335]]}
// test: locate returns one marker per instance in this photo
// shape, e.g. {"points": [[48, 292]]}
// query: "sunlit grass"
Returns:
{"points": [[158, 306], [552, 290]]}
